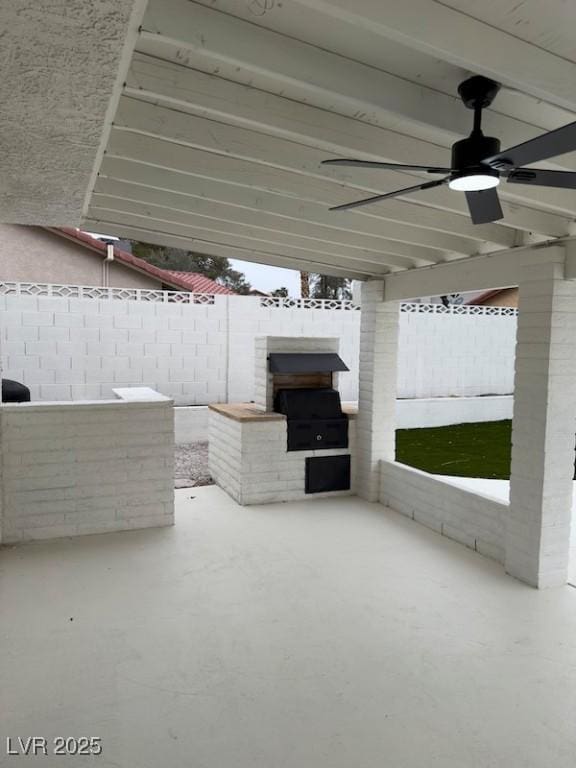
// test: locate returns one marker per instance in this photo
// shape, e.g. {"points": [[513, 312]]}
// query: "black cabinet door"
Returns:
{"points": [[327, 473]]}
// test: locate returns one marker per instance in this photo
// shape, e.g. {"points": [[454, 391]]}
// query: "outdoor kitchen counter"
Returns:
{"points": [[249, 412]]}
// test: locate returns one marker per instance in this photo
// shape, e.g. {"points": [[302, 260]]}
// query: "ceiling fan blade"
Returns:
{"points": [[550, 144], [377, 198], [389, 166], [543, 178], [484, 206]]}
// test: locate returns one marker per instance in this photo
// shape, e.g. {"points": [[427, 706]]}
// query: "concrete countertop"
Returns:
{"points": [[126, 397], [249, 412]]}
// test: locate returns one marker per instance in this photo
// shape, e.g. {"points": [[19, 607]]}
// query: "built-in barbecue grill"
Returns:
{"points": [[296, 408], [303, 392]]}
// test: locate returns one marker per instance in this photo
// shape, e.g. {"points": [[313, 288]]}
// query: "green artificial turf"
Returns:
{"points": [[464, 450]]}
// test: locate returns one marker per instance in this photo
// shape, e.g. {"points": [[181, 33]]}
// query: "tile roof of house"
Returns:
{"points": [[198, 283], [179, 281], [478, 300]]}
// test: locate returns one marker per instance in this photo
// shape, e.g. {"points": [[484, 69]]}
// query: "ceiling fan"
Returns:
{"points": [[478, 165]]}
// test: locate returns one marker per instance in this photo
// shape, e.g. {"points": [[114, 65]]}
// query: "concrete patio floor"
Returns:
{"points": [[329, 634]]}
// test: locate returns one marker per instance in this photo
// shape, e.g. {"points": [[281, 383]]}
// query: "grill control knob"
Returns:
{"points": [[318, 437]]}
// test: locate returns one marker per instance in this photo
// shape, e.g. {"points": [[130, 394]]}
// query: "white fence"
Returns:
{"points": [[466, 351], [73, 342]]}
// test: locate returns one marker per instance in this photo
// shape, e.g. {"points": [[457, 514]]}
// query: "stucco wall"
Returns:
{"points": [[61, 64], [34, 255]]}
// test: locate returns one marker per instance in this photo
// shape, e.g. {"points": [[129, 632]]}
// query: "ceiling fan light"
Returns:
{"points": [[474, 182]]}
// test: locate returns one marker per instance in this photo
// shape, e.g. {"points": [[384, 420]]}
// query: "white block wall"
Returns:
{"points": [[470, 518], [441, 411], [250, 461], [70, 348], [190, 423], [441, 355], [248, 320], [71, 469]]}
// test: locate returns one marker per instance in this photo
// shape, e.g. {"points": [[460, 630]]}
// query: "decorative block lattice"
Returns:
{"points": [[281, 302], [97, 292], [274, 302], [454, 309]]}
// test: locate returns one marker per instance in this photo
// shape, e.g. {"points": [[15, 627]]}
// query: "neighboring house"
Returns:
{"points": [[499, 297], [65, 256]]}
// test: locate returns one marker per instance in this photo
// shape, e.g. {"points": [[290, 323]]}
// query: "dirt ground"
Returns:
{"points": [[191, 465]]}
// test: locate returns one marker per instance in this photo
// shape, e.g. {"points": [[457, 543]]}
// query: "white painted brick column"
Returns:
{"points": [[375, 426], [544, 425]]}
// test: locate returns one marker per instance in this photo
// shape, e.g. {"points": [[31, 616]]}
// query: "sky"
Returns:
{"points": [[266, 278]]}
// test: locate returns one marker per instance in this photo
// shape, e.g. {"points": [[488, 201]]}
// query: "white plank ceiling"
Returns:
{"points": [[230, 106]]}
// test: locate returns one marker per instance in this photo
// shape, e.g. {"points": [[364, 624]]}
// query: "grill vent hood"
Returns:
{"points": [[311, 362]]}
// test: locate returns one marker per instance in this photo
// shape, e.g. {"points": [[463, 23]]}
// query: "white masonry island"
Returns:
{"points": [[253, 453], [86, 466]]}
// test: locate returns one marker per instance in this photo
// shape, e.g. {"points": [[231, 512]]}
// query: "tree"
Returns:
{"points": [[452, 299], [216, 268], [280, 292], [328, 287], [305, 285]]}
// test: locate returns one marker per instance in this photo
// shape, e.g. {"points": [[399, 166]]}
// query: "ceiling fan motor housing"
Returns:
{"points": [[468, 154], [478, 92]]}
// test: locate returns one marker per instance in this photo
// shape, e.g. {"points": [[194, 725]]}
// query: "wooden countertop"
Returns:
{"points": [[245, 412], [249, 412]]}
